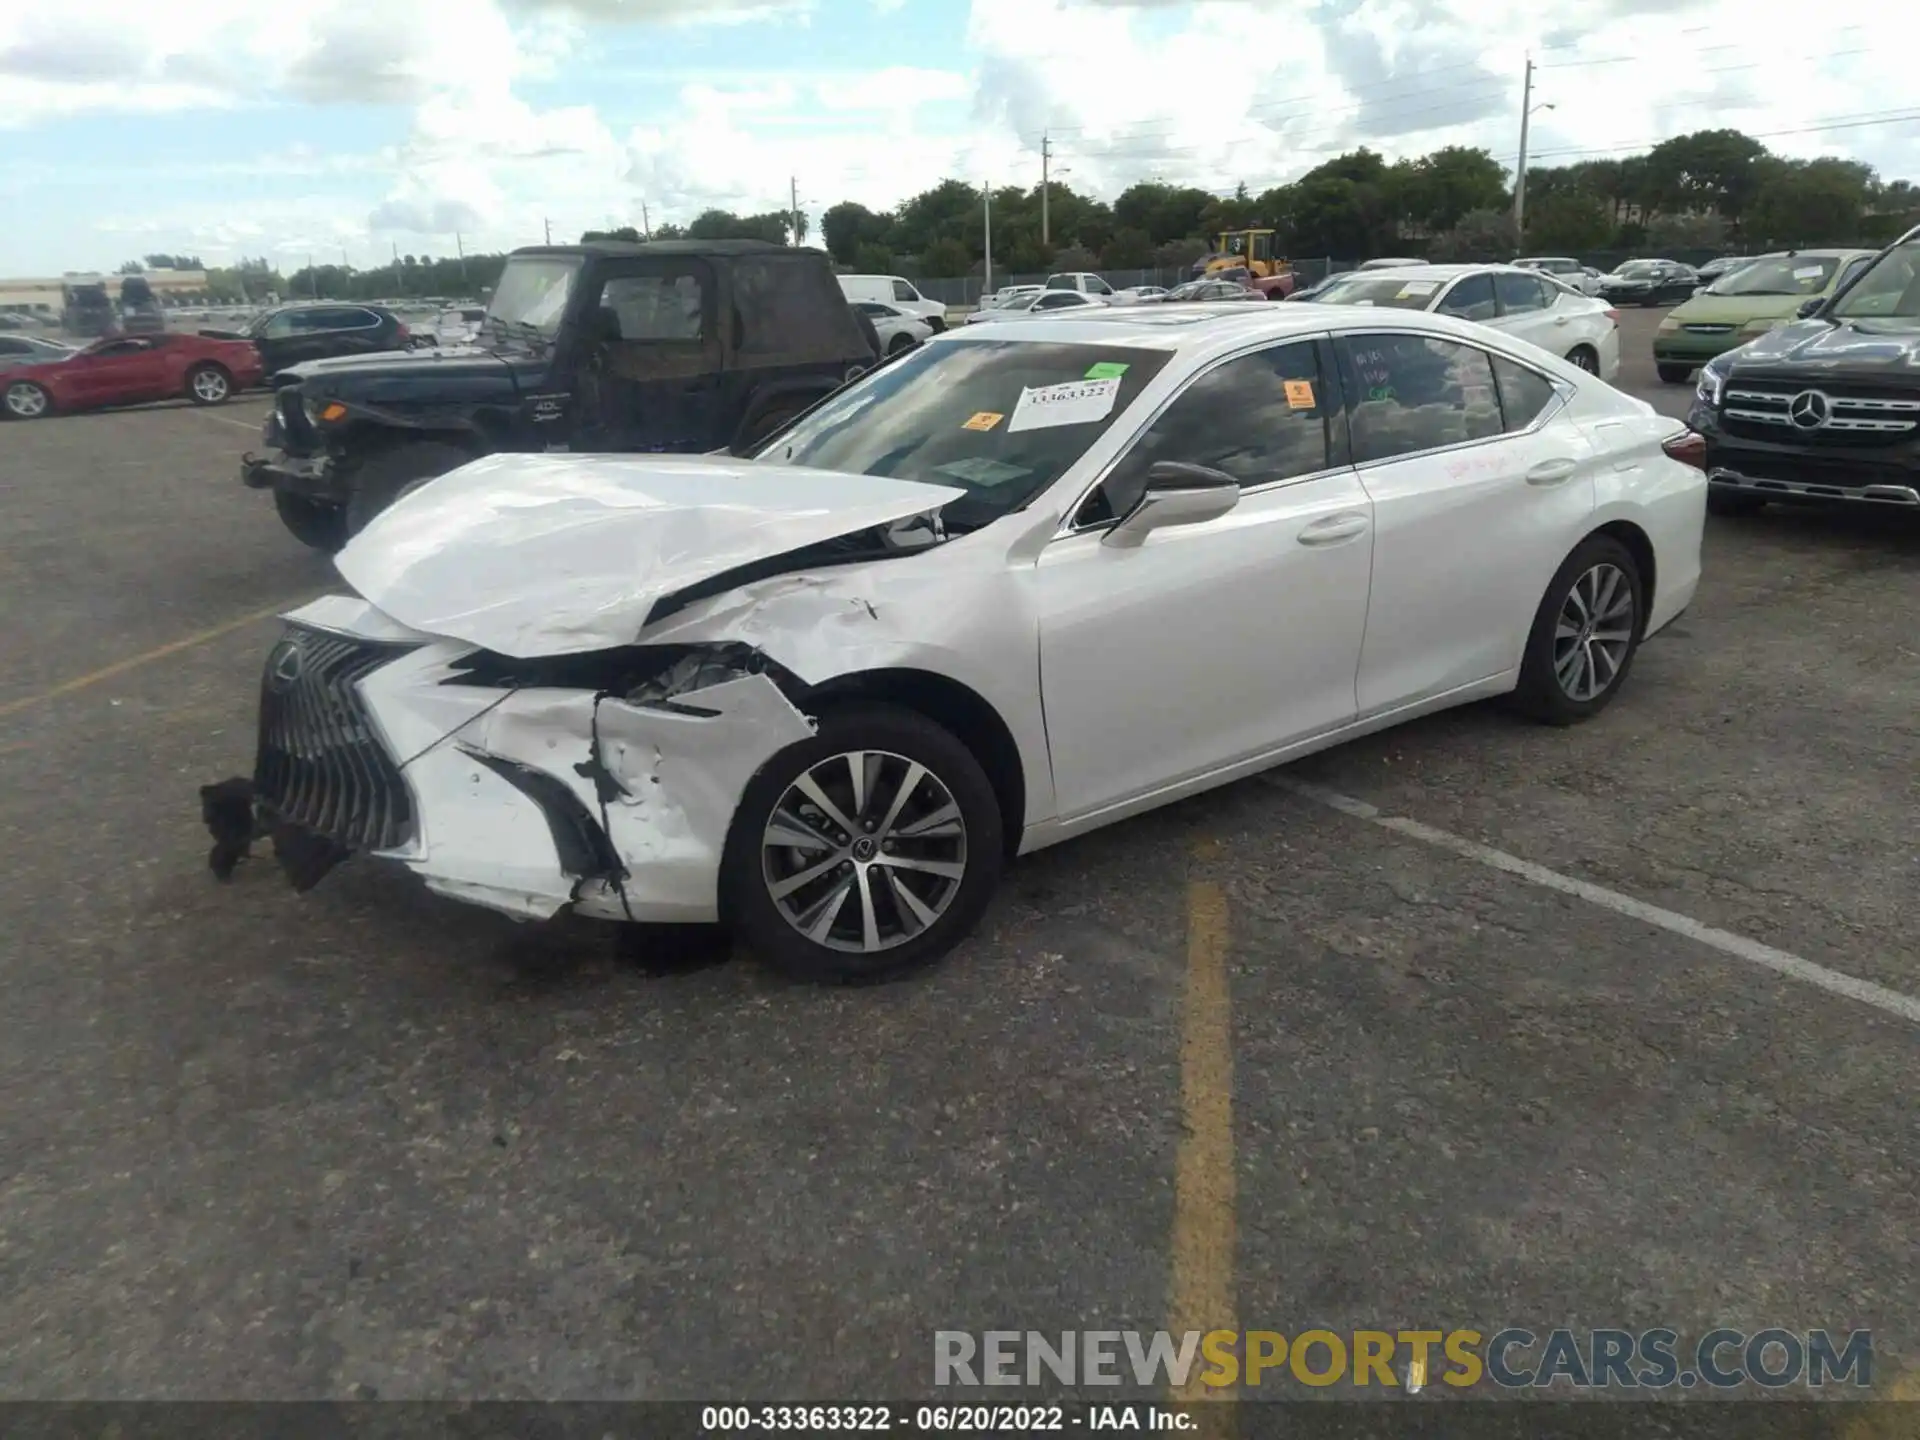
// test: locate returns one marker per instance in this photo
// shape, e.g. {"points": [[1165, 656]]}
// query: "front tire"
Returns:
{"points": [[27, 400], [1674, 374], [209, 385], [900, 345], [864, 852], [1585, 634], [386, 475], [314, 523]]}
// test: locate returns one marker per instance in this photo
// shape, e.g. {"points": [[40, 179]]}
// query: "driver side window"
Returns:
{"points": [[1260, 418], [1470, 299]]}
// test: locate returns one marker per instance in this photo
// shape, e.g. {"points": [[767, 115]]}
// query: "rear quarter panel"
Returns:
{"points": [[1640, 484]]}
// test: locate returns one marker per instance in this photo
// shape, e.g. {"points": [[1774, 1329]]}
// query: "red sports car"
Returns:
{"points": [[131, 370]]}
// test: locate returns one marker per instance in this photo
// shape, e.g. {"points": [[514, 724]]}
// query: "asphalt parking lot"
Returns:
{"points": [[1264, 1059]]}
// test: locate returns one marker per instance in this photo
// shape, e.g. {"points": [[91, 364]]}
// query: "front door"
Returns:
{"points": [[1529, 309], [1216, 642], [120, 372], [646, 357], [1480, 488]]}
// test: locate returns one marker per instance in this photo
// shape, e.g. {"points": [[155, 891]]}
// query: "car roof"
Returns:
{"points": [[1204, 327], [619, 248], [1825, 252], [1431, 272]]}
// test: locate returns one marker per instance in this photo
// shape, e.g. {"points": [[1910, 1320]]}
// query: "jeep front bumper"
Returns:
{"points": [[311, 477]]}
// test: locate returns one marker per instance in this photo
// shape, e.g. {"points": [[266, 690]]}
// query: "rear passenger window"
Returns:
{"points": [[1524, 393], [1408, 393], [1521, 293]]}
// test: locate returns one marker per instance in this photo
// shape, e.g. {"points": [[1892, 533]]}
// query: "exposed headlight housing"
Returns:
{"points": [[1711, 386], [1760, 327]]}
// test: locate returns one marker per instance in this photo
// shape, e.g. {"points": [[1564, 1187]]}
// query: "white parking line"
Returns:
{"points": [[253, 425], [1907, 1007]]}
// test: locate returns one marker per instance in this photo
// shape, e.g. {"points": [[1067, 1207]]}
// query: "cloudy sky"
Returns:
{"points": [[350, 127]]}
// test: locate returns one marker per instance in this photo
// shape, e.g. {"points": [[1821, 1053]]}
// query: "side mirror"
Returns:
{"points": [[1176, 494], [1810, 307]]}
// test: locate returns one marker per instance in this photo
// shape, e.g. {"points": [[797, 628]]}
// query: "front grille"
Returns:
{"points": [[320, 765], [1693, 329], [296, 435], [1765, 409]]}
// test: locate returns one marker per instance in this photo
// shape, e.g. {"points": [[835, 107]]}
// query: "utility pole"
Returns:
{"points": [[549, 232], [793, 206], [646, 224], [1046, 155], [313, 277], [1520, 170], [461, 251], [986, 203]]}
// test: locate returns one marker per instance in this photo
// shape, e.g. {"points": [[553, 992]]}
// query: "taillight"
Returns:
{"points": [[1614, 316], [1689, 448], [402, 333]]}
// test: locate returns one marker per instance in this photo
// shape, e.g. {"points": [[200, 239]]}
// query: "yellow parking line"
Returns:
{"points": [[1205, 1236], [146, 657]]}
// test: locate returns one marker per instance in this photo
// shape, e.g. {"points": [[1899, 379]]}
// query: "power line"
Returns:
{"points": [[1887, 117]]}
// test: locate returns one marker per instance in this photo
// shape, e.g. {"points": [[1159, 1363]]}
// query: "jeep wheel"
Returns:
{"points": [[314, 523], [386, 475]]}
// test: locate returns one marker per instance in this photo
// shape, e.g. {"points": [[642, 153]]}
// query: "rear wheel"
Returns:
{"points": [[314, 523], [209, 384], [1674, 374], [1584, 634], [864, 851], [899, 345], [386, 475], [1583, 357], [28, 401]]}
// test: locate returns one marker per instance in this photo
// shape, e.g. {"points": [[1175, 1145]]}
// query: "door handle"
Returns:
{"points": [[1333, 528], [1551, 472], [1560, 319]]}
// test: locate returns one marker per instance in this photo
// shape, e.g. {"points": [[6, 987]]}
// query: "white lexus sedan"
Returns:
{"points": [[1585, 331], [898, 329], [1018, 584]]}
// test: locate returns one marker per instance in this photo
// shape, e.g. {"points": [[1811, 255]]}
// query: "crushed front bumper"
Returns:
{"points": [[522, 801], [312, 477]]}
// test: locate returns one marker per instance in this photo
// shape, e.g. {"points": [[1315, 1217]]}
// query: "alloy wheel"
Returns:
{"points": [[210, 385], [27, 401], [1594, 632], [864, 851]]}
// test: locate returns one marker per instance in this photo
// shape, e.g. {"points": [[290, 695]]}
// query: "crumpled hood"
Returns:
{"points": [[531, 555]]}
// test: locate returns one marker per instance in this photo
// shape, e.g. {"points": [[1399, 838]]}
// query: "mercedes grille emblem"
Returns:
{"points": [[284, 664], [1808, 410]]}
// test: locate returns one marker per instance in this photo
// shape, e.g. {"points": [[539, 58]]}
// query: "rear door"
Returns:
{"points": [[1480, 488], [1527, 308], [646, 355], [341, 330]]}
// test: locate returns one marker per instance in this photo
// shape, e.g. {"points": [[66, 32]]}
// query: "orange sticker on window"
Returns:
{"points": [[1299, 394], [984, 420]]}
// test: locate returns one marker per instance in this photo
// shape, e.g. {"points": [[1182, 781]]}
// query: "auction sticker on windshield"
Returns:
{"points": [[1075, 402], [983, 420], [1299, 394], [1106, 370], [1417, 287]]}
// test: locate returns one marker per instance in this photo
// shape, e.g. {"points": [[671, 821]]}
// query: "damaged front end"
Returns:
{"points": [[605, 780]]}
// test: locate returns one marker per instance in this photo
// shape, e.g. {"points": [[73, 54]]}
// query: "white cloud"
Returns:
{"points": [[1210, 94]]}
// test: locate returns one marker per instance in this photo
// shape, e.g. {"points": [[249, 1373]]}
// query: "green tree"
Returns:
{"points": [[872, 258], [621, 232], [1700, 231], [1438, 188], [945, 259], [1481, 236], [1128, 250], [1718, 170], [847, 226], [944, 212], [132, 267], [1569, 220], [1810, 202], [1164, 212]]}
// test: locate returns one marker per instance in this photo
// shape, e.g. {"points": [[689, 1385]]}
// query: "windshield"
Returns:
{"points": [[1001, 419], [1401, 293], [533, 293], [1634, 269], [1890, 289], [1779, 275]]}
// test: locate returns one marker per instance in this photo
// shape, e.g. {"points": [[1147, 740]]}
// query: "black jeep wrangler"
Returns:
{"points": [[676, 346]]}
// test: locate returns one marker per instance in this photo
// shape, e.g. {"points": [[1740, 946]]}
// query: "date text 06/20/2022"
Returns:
{"points": [[1510, 1358]]}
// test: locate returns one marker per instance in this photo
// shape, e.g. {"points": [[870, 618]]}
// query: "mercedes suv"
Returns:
{"points": [[1827, 407]]}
